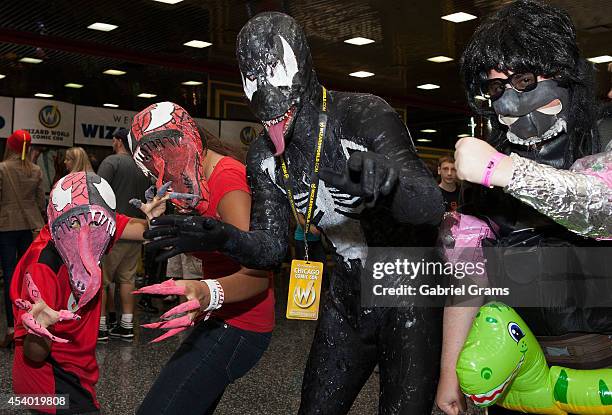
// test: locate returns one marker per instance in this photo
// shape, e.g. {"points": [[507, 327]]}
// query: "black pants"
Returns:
{"points": [[404, 342], [13, 245], [193, 381]]}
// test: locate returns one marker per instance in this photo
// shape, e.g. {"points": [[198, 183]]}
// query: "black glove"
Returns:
{"points": [[367, 175], [176, 234]]}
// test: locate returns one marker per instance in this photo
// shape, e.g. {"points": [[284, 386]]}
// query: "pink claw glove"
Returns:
{"points": [[170, 320], [39, 316]]}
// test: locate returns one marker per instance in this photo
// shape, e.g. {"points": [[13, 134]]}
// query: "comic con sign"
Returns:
{"points": [[97, 126], [49, 122]]}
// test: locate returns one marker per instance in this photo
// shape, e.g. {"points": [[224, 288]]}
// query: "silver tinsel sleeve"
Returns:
{"points": [[580, 202]]}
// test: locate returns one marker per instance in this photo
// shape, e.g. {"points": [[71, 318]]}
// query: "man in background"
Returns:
{"points": [[120, 264], [448, 182]]}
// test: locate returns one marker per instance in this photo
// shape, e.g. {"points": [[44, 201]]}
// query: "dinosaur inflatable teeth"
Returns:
{"points": [[502, 363]]}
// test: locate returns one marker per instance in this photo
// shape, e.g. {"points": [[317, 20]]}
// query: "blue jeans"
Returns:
{"points": [[193, 381], [13, 245]]}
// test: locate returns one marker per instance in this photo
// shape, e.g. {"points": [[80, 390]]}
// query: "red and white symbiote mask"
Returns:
{"points": [[166, 145], [82, 223]]}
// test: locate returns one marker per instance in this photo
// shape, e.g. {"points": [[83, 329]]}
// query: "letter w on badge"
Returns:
{"points": [[304, 298]]}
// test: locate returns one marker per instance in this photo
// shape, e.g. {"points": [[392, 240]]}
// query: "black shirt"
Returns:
{"points": [[450, 199]]}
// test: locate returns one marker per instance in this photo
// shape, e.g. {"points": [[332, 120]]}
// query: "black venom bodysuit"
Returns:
{"points": [[389, 199]]}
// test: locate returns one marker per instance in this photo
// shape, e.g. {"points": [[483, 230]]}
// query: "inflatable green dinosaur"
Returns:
{"points": [[502, 363]]}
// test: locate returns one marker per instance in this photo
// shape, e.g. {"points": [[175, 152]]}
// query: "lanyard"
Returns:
{"points": [[315, 177]]}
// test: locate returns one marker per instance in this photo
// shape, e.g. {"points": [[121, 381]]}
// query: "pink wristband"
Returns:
{"points": [[491, 166]]}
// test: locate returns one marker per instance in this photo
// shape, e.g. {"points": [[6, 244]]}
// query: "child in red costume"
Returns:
{"points": [[55, 350]]}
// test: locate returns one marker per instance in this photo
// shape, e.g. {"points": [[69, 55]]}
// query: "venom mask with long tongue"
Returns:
{"points": [[534, 116], [166, 145], [277, 74], [81, 215]]}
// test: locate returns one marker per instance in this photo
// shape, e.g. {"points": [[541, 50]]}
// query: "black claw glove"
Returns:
{"points": [[367, 175], [176, 234]]}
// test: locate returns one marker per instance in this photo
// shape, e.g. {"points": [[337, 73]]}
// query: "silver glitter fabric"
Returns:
{"points": [[579, 199]]}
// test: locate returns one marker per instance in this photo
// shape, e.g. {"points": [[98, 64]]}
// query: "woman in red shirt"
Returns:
{"points": [[167, 146]]}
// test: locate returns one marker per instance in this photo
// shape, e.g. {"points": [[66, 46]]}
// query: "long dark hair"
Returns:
{"points": [[529, 36], [214, 143]]}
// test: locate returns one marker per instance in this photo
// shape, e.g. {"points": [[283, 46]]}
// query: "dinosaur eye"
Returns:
{"points": [[486, 373], [515, 331]]}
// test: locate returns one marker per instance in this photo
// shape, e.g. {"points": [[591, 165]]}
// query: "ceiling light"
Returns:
{"points": [[72, 85], [361, 74], [103, 27], [197, 44], [191, 82], [111, 105], [359, 41], [463, 135], [114, 72], [428, 86], [423, 140], [429, 130], [41, 95], [169, 1], [440, 59], [480, 98], [146, 95], [601, 59], [2, 76], [459, 17], [30, 60]]}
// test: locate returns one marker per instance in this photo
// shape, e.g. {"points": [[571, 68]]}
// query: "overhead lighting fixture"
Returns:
{"points": [[168, 1], [480, 98], [30, 60], [463, 135], [197, 44], [111, 105], [459, 17], [41, 95], [191, 83], [103, 27], [428, 86], [146, 95], [2, 76], [429, 130], [423, 140], [361, 74], [440, 59], [359, 41], [72, 85], [114, 72], [601, 59]]}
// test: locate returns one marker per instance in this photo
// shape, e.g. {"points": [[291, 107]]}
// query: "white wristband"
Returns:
{"points": [[216, 295]]}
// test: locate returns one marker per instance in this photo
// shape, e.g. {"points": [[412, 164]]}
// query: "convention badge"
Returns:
{"points": [[304, 290]]}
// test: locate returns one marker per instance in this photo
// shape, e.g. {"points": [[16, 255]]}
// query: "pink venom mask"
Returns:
{"points": [[166, 145], [81, 214]]}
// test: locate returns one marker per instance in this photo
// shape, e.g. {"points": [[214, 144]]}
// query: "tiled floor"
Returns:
{"points": [[272, 387]]}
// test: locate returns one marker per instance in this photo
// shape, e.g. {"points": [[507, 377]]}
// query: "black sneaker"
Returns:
{"points": [[122, 332], [111, 321], [102, 335]]}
